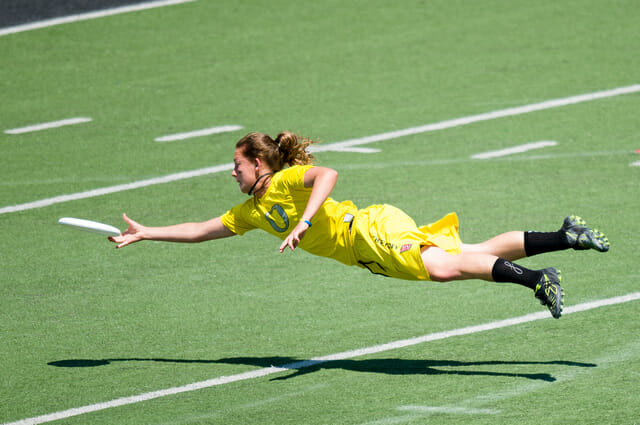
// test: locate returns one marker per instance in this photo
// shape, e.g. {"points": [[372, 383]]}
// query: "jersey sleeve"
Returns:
{"points": [[293, 178], [234, 219]]}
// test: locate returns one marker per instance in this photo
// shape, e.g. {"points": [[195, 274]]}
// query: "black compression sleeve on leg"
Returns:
{"points": [[540, 242], [506, 271]]}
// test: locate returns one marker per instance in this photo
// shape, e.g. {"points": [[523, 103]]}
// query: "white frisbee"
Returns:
{"points": [[90, 226]]}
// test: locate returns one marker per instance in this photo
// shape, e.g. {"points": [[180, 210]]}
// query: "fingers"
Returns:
{"points": [[126, 237], [294, 238], [129, 221], [283, 246], [120, 240], [291, 242]]}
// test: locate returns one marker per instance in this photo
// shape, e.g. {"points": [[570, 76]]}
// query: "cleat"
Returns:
{"points": [[549, 291], [580, 237]]}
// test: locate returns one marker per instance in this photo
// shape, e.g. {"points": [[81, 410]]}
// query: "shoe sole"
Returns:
{"points": [[595, 239]]}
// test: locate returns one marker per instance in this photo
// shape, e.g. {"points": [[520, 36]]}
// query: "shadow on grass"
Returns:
{"points": [[385, 366]]}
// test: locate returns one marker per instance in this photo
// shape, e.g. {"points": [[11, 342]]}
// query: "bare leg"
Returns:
{"points": [[475, 264], [476, 260], [509, 246], [444, 267]]}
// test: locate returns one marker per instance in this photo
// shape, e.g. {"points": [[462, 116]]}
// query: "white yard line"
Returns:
{"points": [[355, 150], [89, 15], [513, 150], [448, 410], [572, 100], [119, 188], [339, 146], [48, 125], [466, 160], [253, 374], [475, 405], [635, 164], [199, 133]]}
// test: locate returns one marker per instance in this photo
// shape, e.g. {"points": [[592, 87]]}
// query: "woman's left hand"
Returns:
{"points": [[294, 237]]}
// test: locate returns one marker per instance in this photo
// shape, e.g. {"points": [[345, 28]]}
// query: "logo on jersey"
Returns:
{"points": [[281, 217]]}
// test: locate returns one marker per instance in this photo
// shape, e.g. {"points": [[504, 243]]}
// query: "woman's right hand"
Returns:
{"points": [[134, 233]]}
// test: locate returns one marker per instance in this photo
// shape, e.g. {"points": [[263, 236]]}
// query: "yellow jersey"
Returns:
{"points": [[380, 238], [280, 209]]}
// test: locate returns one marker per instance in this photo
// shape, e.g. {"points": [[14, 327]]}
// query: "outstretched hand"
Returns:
{"points": [[133, 234], [294, 238]]}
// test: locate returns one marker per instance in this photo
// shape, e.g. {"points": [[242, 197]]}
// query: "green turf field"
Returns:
{"points": [[83, 324]]}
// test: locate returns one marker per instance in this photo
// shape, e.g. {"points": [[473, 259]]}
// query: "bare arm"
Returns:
{"points": [[322, 180], [185, 232]]}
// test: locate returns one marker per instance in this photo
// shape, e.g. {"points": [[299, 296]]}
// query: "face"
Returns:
{"points": [[244, 171]]}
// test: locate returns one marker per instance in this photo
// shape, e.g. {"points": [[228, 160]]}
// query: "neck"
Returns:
{"points": [[259, 192]]}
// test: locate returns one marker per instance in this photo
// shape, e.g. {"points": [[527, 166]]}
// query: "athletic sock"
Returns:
{"points": [[541, 242], [506, 271]]}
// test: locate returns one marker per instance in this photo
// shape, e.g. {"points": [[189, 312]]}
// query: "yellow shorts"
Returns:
{"points": [[387, 241]]}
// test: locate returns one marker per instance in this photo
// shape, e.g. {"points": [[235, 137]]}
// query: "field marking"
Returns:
{"points": [[48, 125], [119, 188], [253, 374], [509, 112], [227, 167], [435, 162], [243, 408], [635, 164], [515, 149], [199, 133], [339, 146], [619, 355], [89, 15], [419, 412], [450, 410], [357, 150]]}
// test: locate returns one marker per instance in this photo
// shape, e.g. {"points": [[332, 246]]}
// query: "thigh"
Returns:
{"points": [[509, 245], [438, 263], [444, 266]]}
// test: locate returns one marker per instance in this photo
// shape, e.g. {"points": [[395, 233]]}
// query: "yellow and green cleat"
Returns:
{"points": [[549, 291], [581, 237]]}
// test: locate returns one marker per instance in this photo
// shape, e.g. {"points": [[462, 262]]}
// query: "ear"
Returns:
{"points": [[257, 162]]}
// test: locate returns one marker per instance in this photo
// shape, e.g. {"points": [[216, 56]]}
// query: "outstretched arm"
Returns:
{"points": [[185, 232], [322, 180]]}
